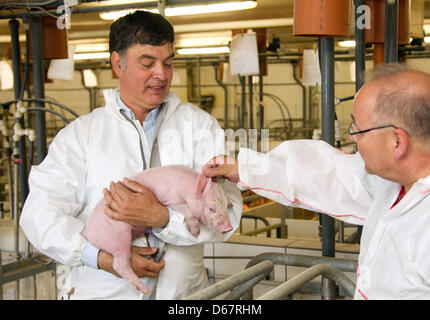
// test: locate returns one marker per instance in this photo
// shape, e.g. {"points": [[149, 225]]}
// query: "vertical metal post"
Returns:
{"points": [[199, 84], [391, 54], [328, 114], [296, 79], [217, 79], [1, 277], [360, 64], [243, 106], [251, 112], [39, 86], [16, 67], [260, 99], [360, 49]]}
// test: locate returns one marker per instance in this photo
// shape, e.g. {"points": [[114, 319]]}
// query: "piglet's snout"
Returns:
{"points": [[224, 226]]}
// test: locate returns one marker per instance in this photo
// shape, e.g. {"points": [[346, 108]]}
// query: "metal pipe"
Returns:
{"points": [[294, 64], [260, 98], [42, 101], [251, 112], [263, 229], [225, 96], [263, 268], [236, 293], [250, 216], [199, 85], [243, 105], [391, 31], [328, 114], [19, 90], [16, 211], [39, 87], [38, 109], [300, 261], [360, 48], [298, 281], [1, 277], [360, 58]]}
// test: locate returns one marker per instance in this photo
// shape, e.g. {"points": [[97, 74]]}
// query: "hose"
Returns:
{"points": [[5, 104]]}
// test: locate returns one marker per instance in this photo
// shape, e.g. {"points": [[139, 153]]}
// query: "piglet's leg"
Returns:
{"points": [[193, 224], [120, 248], [121, 264]]}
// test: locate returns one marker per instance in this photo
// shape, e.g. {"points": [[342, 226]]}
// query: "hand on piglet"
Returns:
{"points": [[222, 166], [133, 203]]}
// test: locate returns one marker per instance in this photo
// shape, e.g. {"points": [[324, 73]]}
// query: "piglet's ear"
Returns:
{"points": [[202, 180]]}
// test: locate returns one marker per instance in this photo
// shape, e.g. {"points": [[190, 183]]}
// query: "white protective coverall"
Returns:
{"points": [[104, 146], [394, 260]]}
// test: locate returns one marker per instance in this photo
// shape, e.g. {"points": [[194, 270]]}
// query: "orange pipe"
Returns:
{"points": [[378, 53], [326, 18], [376, 33], [54, 40]]}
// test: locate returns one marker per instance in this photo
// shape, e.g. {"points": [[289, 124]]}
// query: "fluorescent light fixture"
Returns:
{"points": [[188, 10], [203, 39], [91, 47], [204, 50], [91, 55], [114, 15], [347, 43]]}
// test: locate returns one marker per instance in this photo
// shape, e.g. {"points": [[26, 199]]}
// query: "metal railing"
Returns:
{"points": [[297, 261], [246, 278], [298, 281]]}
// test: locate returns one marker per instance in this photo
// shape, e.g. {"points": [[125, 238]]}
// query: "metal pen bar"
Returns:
{"points": [[298, 281], [263, 268], [39, 87], [300, 261]]}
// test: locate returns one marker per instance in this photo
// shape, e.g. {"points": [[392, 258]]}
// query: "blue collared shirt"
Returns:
{"points": [[148, 124], [90, 253]]}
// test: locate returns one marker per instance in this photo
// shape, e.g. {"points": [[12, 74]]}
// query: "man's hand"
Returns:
{"points": [[141, 262], [222, 166], [135, 204]]}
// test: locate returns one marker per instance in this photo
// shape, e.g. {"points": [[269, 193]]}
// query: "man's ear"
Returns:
{"points": [[116, 63], [401, 143]]}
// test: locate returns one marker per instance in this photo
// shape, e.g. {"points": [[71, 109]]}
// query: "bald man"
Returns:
{"points": [[385, 186]]}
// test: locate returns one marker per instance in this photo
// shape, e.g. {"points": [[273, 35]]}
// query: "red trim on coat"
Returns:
{"points": [[297, 200]]}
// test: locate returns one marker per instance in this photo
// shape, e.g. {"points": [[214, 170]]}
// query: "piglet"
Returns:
{"points": [[181, 188]]}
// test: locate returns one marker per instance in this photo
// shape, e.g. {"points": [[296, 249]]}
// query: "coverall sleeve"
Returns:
{"points": [[208, 143], [49, 216], [312, 175]]}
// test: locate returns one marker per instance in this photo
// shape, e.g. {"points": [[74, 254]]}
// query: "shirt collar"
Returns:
{"points": [[150, 118]]}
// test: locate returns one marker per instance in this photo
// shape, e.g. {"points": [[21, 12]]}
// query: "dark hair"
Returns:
{"points": [[139, 27]]}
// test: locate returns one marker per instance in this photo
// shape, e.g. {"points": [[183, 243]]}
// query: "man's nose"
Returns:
{"points": [[160, 71]]}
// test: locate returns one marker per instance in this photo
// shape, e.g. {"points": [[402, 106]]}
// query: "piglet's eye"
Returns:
{"points": [[211, 209]]}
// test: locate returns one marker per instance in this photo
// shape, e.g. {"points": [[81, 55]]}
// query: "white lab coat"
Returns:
{"points": [[101, 147], [394, 260]]}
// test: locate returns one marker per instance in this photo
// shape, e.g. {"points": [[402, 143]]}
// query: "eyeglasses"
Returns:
{"points": [[353, 130]]}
